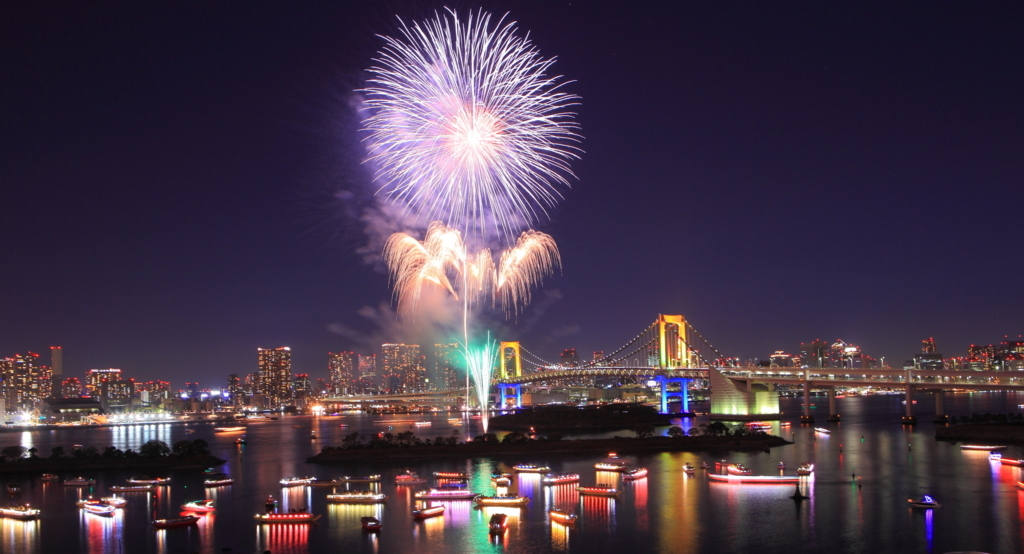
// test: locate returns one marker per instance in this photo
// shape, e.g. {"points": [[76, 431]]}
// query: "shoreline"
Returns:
{"points": [[45, 465], [621, 445], [1010, 434]]}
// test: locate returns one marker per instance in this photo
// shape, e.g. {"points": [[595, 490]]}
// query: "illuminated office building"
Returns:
{"points": [[446, 364], [274, 376], [342, 368]]}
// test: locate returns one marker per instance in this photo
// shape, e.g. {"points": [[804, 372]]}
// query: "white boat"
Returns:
{"points": [[561, 478], [980, 447], [205, 505], [756, 479], [133, 488], [822, 430], [325, 482], [445, 494], [805, 468], [79, 482], [610, 466], [995, 456], [563, 517], [296, 481], [115, 501], [510, 500], [925, 502], [738, 469], [99, 508], [20, 512], [688, 468], [598, 490], [149, 480], [357, 497], [635, 473], [362, 479]]}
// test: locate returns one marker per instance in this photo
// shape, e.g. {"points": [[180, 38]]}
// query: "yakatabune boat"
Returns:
{"points": [[530, 468], [425, 513], [756, 479], [563, 517], [357, 497], [598, 490], [205, 505], [512, 500], [634, 474], [296, 517], [24, 512], [561, 478], [183, 521], [409, 478], [445, 494]]}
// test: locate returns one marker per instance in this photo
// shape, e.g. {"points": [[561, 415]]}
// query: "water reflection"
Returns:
{"points": [[283, 539], [19, 536], [559, 537]]}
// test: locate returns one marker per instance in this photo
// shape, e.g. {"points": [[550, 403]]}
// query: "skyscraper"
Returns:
{"points": [[446, 357], [274, 378], [342, 368], [569, 358], [94, 379], [57, 370], [403, 368]]}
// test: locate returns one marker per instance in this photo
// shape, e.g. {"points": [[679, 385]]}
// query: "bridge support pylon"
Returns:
{"points": [[516, 396], [807, 417], [833, 415], [909, 418], [665, 394], [940, 410]]}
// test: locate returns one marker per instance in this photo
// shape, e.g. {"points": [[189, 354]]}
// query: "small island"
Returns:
{"points": [[154, 455], [1002, 428], [607, 417]]}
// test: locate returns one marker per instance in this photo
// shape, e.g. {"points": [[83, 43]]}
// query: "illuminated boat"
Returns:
{"points": [[705, 465], [295, 517], [738, 469], [1012, 462], [445, 494], [218, 481], [149, 480], [296, 481], [228, 429], [925, 502], [781, 465], [756, 479], [688, 468], [370, 523], [430, 512], [1020, 484], [326, 482], [822, 430], [205, 505], [20, 512], [240, 440], [634, 474], [423, 424], [785, 424], [357, 497], [363, 479], [530, 468], [759, 425], [50, 477], [409, 478], [115, 501], [450, 475], [502, 481], [561, 478], [183, 521], [99, 508], [995, 456], [498, 524], [598, 490], [563, 517], [13, 489], [133, 488], [610, 466], [980, 447], [508, 500], [805, 468], [79, 482]]}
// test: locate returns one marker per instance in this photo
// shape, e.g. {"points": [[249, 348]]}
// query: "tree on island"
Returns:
{"points": [[154, 449], [14, 452]]}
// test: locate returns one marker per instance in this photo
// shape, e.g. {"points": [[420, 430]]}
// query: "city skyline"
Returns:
{"points": [[190, 183]]}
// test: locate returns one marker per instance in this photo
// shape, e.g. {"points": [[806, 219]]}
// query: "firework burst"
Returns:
{"points": [[466, 127]]}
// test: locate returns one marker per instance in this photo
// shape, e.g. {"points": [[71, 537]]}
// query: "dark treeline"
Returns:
{"points": [[153, 449]]}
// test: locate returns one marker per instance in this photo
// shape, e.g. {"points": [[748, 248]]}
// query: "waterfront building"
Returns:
{"points": [[94, 379], [24, 382], [402, 368], [929, 359], [235, 388], [781, 359], [814, 353], [446, 360], [342, 369], [71, 388], [274, 377]]}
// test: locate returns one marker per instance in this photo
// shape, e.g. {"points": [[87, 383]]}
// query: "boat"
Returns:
{"points": [[218, 481], [296, 481], [925, 502], [115, 501], [759, 425], [425, 513], [995, 456], [561, 478], [409, 478], [598, 490], [688, 468], [133, 488], [450, 475], [99, 508], [781, 465], [50, 477], [13, 489], [183, 521], [738, 469], [365, 479], [498, 524], [294, 517], [822, 430], [762, 479], [563, 517], [240, 440], [785, 424], [980, 447], [79, 482], [423, 424], [445, 494], [189, 431], [610, 466], [704, 465], [228, 429], [508, 500], [1015, 462], [635, 473], [530, 468], [805, 468], [325, 482], [357, 497], [1020, 484], [370, 524], [24, 512], [205, 505], [149, 480], [503, 481]]}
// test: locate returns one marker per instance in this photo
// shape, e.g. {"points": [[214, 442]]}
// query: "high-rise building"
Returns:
{"points": [[402, 362], [569, 358], [71, 388], [343, 371], [598, 357], [814, 354], [781, 359], [235, 388], [446, 364], [94, 379], [23, 382], [928, 346], [274, 378], [57, 370]]}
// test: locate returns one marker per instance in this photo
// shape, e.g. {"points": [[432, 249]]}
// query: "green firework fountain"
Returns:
{"points": [[480, 362]]}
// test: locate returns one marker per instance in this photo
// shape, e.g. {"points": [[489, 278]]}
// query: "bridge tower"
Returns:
{"points": [[673, 345], [511, 364]]}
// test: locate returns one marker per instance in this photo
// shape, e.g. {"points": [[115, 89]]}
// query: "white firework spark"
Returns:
{"points": [[466, 126]]}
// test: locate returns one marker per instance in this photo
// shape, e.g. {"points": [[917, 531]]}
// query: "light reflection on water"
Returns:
{"points": [[858, 495]]}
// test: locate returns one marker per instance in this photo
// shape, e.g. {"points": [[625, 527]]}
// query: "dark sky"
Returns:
{"points": [[181, 181]]}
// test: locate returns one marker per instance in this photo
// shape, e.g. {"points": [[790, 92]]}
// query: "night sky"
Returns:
{"points": [[182, 181]]}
